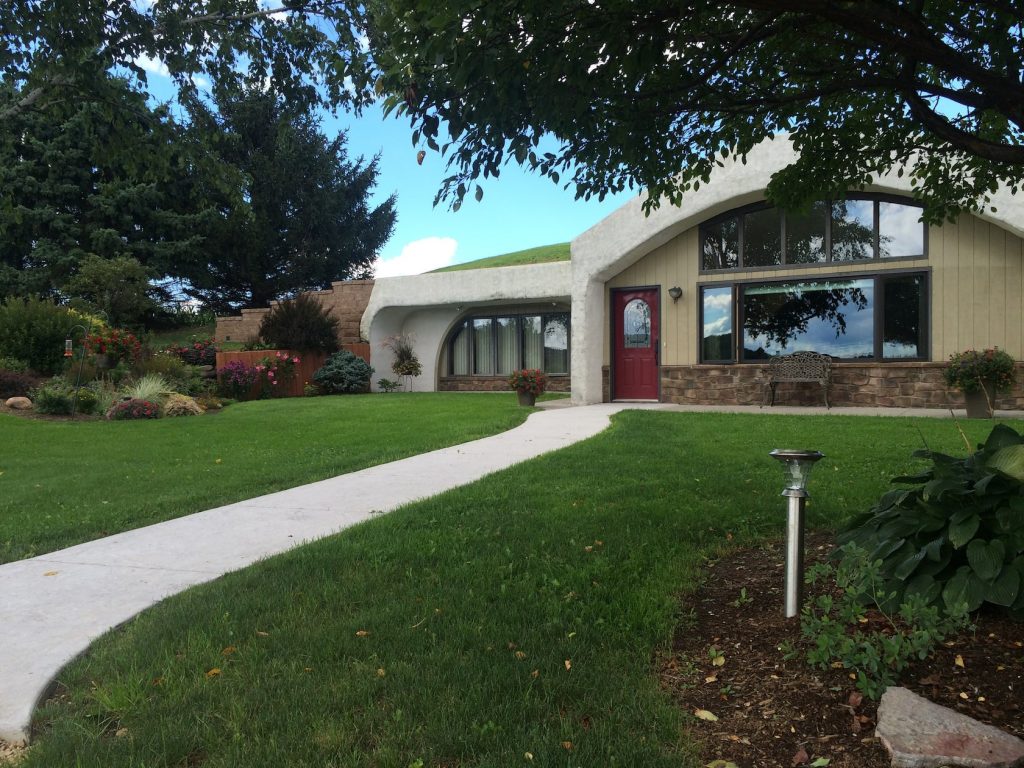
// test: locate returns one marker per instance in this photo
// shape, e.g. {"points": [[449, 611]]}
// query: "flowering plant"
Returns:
{"points": [[198, 351], [528, 380], [134, 409], [967, 370], [271, 371], [116, 343], [237, 379]]}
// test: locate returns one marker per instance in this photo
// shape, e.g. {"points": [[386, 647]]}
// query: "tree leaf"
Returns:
{"points": [[1009, 461], [962, 532], [986, 558], [1005, 589], [703, 714]]}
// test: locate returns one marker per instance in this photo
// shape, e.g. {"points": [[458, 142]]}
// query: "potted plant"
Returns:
{"points": [[979, 375], [528, 383]]}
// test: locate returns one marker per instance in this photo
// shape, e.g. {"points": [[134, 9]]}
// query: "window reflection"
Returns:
{"points": [[900, 232], [903, 307], [805, 235], [556, 344], [636, 325], [762, 238], [832, 317], [853, 230], [721, 244], [716, 315]]}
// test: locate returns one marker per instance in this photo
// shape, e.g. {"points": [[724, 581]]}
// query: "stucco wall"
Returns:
{"points": [[426, 306]]}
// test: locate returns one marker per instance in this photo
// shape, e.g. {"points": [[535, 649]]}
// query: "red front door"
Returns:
{"points": [[635, 353]]}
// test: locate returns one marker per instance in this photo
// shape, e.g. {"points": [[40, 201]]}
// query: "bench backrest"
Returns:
{"points": [[800, 365]]}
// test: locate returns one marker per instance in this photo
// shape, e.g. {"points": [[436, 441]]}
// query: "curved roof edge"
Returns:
{"points": [[551, 280], [627, 234]]}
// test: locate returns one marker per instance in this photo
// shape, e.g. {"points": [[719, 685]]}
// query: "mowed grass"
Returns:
{"points": [[63, 483], [508, 623], [539, 255]]}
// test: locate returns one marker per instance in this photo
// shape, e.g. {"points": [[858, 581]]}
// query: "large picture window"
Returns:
{"points": [[498, 345], [863, 317], [829, 231]]}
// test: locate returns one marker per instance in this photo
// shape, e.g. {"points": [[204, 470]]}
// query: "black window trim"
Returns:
{"points": [[878, 318], [465, 324], [829, 263]]}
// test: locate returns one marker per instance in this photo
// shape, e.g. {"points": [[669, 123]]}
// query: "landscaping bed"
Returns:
{"points": [[774, 712]]}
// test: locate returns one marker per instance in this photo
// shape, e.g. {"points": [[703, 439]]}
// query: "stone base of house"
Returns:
{"points": [[894, 385], [494, 384]]}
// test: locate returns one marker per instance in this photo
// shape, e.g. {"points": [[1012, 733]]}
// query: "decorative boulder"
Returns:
{"points": [[19, 403]]}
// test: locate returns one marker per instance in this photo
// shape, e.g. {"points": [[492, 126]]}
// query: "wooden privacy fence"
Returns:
{"points": [[309, 363]]}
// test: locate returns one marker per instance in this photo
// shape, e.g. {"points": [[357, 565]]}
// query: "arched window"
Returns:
{"points": [[496, 345]]}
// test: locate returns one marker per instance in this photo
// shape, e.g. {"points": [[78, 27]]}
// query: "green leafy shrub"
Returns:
{"points": [[956, 535], [13, 364], [387, 385], [344, 372], [87, 400], [119, 286], [134, 409], [839, 628], [302, 323], [15, 384], [181, 405], [54, 398], [33, 330]]}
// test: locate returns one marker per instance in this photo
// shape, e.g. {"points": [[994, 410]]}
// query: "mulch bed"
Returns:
{"points": [[774, 712]]}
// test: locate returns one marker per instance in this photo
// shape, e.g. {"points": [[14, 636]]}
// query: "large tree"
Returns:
{"points": [[90, 179], [654, 94], [293, 212]]}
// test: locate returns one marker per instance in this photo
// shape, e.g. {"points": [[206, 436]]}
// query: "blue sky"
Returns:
{"points": [[519, 210]]}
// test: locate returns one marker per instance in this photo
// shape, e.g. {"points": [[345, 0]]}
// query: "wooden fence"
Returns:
{"points": [[309, 363]]}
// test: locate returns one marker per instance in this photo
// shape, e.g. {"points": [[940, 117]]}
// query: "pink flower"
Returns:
{"points": [[295, 359]]}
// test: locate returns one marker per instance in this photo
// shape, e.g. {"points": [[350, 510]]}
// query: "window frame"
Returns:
{"points": [[465, 324], [878, 314], [874, 197]]}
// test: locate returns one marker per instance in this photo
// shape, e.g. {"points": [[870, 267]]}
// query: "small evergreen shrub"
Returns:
{"points": [[344, 372], [33, 330], [387, 385], [181, 405], [134, 409], [54, 398], [15, 384], [302, 323], [955, 535]]}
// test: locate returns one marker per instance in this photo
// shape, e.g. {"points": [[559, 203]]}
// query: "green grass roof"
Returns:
{"points": [[539, 255]]}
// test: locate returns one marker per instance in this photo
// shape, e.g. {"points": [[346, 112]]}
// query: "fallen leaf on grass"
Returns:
{"points": [[721, 764], [362, 633], [567, 745], [568, 664], [801, 757], [50, 573], [261, 633], [213, 672], [856, 697], [703, 714], [821, 762], [228, 650], [718, 661], [711, 679], [520, 655], [959, 661]]}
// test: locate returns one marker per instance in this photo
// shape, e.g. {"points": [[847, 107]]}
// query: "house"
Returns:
{"points": [[686, 304]]}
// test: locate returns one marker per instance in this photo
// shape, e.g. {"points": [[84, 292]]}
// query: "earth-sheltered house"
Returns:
{"points": [[688, 303]]}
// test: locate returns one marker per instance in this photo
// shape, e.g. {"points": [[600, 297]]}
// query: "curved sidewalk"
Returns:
{"points": [[53, 606]]}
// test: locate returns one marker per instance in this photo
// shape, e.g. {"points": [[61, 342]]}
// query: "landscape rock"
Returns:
{"points": [[18, 403], [920, 734]]}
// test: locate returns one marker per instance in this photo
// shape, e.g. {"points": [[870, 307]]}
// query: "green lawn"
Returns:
{"points": [[540, 255], [516, 616], [62, 483]]}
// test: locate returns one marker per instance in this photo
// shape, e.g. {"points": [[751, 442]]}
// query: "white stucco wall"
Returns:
{"points": [[425, 306], [627, 235]]}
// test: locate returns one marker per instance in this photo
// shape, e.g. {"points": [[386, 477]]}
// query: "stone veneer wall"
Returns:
{"points": [[346, 300], [494, 384], [893, 385]]}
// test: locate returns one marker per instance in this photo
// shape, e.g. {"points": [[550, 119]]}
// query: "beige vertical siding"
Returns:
{"points": [[977, 289]]}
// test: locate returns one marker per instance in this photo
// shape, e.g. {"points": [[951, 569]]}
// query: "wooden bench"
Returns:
{"points": [[799, 366]]}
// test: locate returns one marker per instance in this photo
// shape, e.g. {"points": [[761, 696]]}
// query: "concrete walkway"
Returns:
{"points": [[53, 606]]}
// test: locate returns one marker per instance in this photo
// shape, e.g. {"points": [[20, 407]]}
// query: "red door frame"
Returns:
{"points": [[651, 294]]}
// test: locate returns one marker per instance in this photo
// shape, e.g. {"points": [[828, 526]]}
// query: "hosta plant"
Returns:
{"points": [[955, 534]]}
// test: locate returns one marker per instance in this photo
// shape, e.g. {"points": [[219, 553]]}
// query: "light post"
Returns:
{"points": [[797, 466]]}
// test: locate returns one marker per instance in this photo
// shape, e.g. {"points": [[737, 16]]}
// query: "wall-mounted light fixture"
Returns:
{"points": [[675, 292]]}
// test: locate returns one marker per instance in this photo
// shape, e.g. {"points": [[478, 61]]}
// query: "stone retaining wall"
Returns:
{"points": [[494, 384], [345, 299], [893, 385]]}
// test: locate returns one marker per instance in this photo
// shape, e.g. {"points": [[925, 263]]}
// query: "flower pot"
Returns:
{"points": [[981, 402], [526, 398]]}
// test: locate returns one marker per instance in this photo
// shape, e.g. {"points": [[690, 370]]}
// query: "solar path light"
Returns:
{"points": [[797, 466]]}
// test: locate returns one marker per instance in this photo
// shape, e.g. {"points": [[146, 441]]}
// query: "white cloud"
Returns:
{"points": [[419, 256], [150, 64]]}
